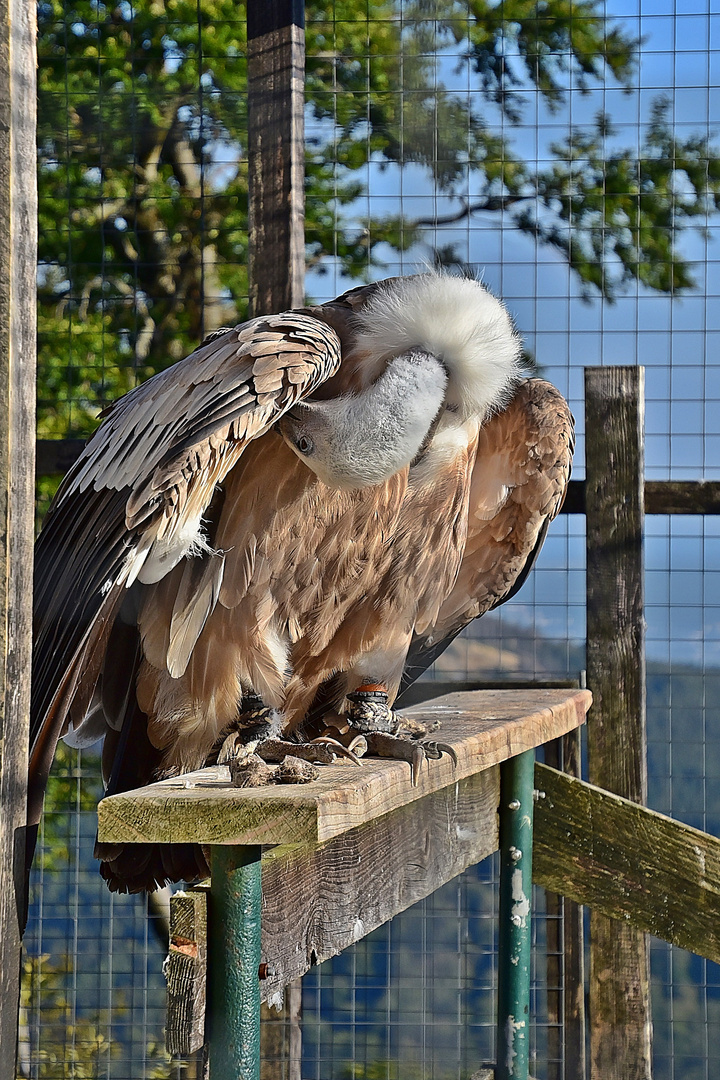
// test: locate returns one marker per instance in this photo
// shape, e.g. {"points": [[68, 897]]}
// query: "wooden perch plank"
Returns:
{"points": [[627, 862], [484, 727], [320, 898]]}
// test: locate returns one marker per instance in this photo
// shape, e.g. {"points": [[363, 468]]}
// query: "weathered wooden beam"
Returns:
{"points": [[682, 497], [661, 497], [18, 256], [627, 862], [320, 898], [186, 972], [276, 154], [620, 1032], [483, 727]]}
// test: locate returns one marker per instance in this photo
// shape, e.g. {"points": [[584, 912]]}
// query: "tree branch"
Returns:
{"points": [[492, 203]]}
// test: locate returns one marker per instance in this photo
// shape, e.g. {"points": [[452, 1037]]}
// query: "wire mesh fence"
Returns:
{"points": [[568, 155]]}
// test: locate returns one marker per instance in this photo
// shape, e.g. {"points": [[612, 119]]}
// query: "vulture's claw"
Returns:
{"points": [[353, 752], [403, 749], [436, 750]]}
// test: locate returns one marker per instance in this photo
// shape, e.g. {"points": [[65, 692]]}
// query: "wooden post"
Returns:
{"points": [[186, 973], [621, 1032], [276, 154], [18, 251], [276, 248]]}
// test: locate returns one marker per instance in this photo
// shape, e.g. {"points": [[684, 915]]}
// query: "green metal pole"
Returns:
{"points": [[234, 947], [516, 832]]}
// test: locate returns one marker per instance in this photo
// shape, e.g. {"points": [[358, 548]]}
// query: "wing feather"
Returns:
{"points": [[133, 502], [519, 480]]}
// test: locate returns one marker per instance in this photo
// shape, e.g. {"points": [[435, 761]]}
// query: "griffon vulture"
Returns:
{"points": [[309, 506]]}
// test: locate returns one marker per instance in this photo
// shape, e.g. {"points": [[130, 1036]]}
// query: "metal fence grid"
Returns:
{"points": [[415, 998]]}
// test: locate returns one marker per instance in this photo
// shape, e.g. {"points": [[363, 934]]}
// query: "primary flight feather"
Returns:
{"points": [[309, 504]]}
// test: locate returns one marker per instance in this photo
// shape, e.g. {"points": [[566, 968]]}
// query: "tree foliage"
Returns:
{"points": [[143, 178]]}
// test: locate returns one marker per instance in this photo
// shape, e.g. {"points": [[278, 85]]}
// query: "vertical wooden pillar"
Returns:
{"points": [[18, 253], [620, 1018], [276, 154], [276, 248]]}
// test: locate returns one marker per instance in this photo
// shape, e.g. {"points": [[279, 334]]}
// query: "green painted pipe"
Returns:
{"points": [[234, 944], [516, 832]]}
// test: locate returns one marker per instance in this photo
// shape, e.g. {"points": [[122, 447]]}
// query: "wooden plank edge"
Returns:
{"points": [[627, 862]]}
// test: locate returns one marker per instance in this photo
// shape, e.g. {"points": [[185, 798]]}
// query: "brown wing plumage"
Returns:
{"points": [[519, 479], [134, 501]]}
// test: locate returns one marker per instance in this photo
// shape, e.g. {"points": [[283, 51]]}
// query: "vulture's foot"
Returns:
{"points": [[391, 735], [408, 748], [257, 756], [324, 750]]}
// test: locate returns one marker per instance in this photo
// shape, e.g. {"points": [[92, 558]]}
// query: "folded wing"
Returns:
{"points": [[519, 481], [133, 504]]}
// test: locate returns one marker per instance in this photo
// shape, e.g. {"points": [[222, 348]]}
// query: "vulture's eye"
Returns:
{"points": [[305, 444]]}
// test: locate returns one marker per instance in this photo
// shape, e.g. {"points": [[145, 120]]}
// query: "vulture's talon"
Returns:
{"points": [[418, 757], [401, 748], [338, 749], [358, 746], [322, 751], [435, 750]]}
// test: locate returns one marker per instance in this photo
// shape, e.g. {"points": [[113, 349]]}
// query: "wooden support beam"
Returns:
{"points": [[620, 1017], [682, 497], [629, 863], [661, 497], [318, 899], [276, 154], [18, 231]]}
